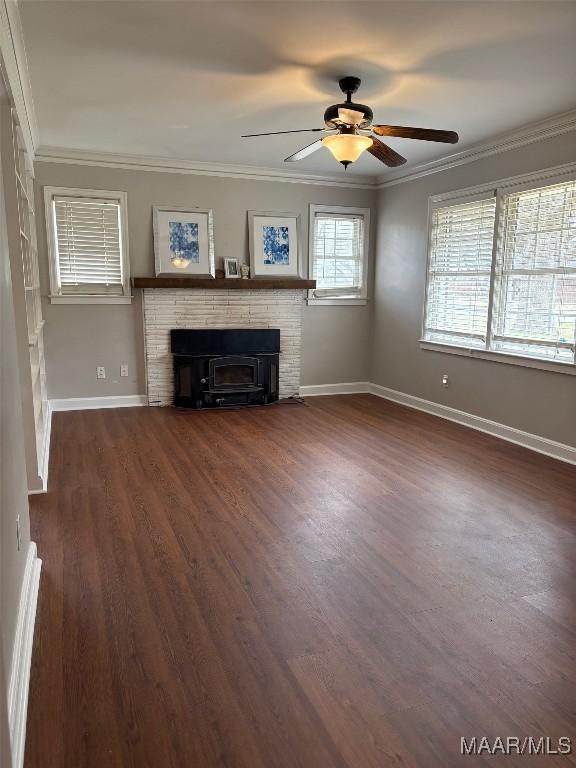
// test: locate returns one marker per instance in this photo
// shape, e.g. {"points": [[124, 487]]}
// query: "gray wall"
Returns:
{"points": [[378, 342], [80, 337], [13, 483], [536, 401]]}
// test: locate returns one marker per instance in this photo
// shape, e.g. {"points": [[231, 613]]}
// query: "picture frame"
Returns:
{"points": [[274, 239], [231, 268], [183, 241]]}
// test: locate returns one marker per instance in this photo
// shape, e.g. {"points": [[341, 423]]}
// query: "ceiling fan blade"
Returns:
{"points": [[424, 134], [277, 133], [385, 154], [304, 152]]}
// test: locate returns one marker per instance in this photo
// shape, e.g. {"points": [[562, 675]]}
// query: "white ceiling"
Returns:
{"points": [[185, 79]]}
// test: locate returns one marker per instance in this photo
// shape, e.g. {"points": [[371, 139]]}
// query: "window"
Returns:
{"points": [[502, 271], [88, 250], [535, 304], [459, 272], [338, 253]]}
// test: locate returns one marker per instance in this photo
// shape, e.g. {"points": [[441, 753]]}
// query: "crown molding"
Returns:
{"points": [[14, 66], [520, 137], [543, 129], [177, 165]]}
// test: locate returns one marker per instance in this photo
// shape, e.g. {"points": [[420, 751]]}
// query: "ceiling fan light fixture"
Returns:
{"points": [[347, 147], [349, 126]]}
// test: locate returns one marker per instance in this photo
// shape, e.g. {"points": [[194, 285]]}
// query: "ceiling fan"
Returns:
{"points": [[349, 132]]}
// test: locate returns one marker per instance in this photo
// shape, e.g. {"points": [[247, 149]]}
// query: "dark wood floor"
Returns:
{"points": [[345, 585]]}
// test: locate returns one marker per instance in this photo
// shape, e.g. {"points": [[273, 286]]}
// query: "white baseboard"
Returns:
{"points": [[536, 443], [349, 388], [89, 403], [22, 657], [510, 434]]}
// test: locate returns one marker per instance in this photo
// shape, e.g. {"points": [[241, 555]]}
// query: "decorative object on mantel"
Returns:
{"points": [[274, 244], [231, 268], [183, 241], [250, 284], [245, 271]]}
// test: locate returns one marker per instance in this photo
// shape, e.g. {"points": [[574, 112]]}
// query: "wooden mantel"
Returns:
{"points": [[237, 283]]}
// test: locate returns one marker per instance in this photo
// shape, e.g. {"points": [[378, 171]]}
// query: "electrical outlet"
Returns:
{"points": [[100, 372], [445, 380], [124, 370], [18, 534]]}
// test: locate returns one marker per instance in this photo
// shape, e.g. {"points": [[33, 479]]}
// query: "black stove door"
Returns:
{"points": [[234, 372]]}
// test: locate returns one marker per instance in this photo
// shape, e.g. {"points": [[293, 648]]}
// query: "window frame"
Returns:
{"points": [[360, 299], [56, 296], [501, 188]]}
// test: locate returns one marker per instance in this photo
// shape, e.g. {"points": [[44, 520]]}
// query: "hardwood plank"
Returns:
{"points": [[346, 584]]}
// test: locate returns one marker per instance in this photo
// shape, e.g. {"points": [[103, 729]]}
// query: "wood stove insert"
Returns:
{"points": [[223, 367]]}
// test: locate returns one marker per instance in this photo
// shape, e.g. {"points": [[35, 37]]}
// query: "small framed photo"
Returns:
{"points": [[183, 241], [231, 268], [274, 244]]}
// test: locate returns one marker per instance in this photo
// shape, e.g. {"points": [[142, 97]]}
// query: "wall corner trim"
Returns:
{"points": [[45, 459], [45, 463], [22, 656], [90, 403], [543, 445]]}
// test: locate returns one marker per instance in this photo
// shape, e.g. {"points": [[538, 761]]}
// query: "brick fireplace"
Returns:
{"points": [[165, 309]]}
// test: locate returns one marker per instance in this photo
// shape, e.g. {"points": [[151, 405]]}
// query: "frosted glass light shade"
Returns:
{"points": [[347, 147]]}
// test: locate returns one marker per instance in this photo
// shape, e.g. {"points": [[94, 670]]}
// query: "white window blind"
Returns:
{"points": [[88, 243], [338, 255], [535, 290], [459, 269]]}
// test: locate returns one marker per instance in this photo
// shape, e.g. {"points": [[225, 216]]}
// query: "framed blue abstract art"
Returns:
{"points": [[274, 244], [183, 241]]}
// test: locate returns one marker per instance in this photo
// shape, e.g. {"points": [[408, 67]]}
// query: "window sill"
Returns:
{"points": [[90, 299], [500, 357], [336, 302]]}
